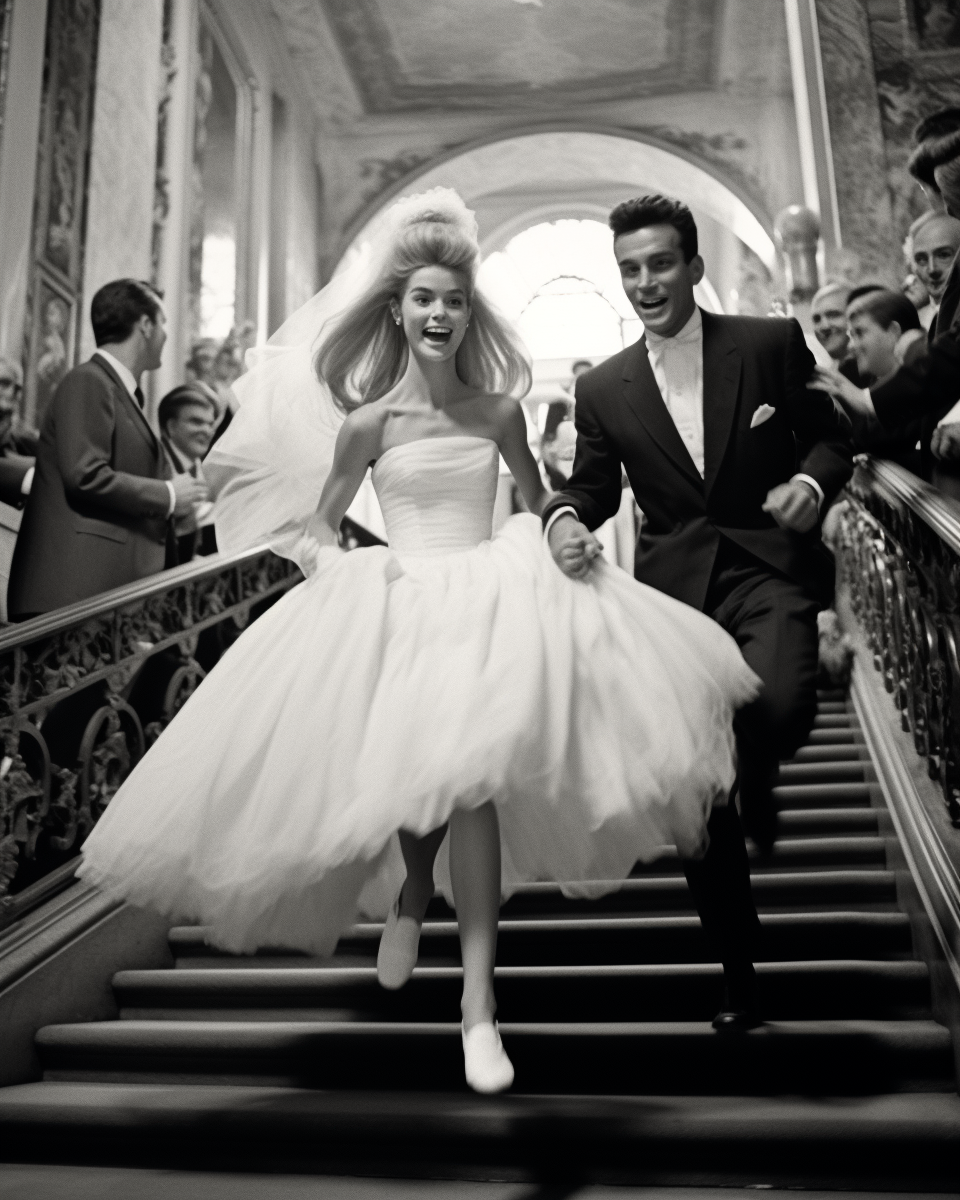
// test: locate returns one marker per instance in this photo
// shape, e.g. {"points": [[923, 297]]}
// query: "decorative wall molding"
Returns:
{"points": [[55, 294]]}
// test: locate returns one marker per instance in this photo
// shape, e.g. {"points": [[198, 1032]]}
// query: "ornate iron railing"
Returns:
{"points": [[898, 552], [85, 690]]}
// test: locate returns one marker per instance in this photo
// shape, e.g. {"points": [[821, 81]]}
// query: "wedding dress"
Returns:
{"points": [[395, 685]]}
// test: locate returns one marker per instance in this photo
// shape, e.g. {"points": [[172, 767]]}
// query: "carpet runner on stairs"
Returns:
{"points": [[281, 1062]]}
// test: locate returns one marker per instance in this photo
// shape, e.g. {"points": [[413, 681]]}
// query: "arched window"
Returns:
{"points": [[559, 281]]}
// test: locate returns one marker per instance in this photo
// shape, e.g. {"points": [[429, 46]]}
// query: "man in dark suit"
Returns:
{"points": [[730, 463], [100, 508], [927, 385]]}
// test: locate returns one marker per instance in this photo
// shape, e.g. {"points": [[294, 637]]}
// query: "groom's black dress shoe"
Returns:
{"points": [[740, 1010]]}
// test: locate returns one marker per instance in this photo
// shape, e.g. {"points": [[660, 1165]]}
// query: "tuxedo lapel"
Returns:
{"points": [[643, 396], [125, 398], [721, 382]]}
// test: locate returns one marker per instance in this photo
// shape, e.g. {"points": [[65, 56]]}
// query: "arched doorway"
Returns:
{"points": [[519, 181], [543, 179]]}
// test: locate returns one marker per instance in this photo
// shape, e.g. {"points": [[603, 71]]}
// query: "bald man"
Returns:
{"points": [[934, 240]]}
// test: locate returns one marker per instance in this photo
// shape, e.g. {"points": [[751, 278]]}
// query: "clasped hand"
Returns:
{"points": [[188, 491], [573, 547]]}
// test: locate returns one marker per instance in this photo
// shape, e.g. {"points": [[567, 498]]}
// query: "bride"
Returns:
{"points": [[451, 710]]}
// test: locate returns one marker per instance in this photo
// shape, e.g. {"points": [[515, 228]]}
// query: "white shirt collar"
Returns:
{"points": [[126, 375], [691, 332]]}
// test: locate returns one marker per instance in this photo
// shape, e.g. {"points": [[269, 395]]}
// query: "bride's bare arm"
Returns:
{"points": [[358, 444], [517, 456]]}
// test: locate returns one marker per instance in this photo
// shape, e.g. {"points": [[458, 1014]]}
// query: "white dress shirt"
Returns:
{"points": [[677, 364], [128, 381]]}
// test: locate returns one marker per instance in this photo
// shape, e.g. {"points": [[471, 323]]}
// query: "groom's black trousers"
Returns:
{"points": [[774, 622]]}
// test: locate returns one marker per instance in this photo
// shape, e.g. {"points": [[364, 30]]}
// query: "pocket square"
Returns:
{"points": [[763, 413]]}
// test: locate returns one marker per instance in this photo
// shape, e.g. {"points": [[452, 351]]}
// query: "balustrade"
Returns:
{"points": [[898, 553], [85, 690]]}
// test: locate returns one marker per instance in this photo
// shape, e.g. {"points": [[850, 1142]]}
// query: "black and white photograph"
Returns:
{"points": [[479, 599]]}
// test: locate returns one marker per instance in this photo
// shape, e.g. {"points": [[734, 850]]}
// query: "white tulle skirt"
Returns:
{"points": [[385, 692]]}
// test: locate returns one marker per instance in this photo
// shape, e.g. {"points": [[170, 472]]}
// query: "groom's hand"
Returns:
{"points": [[793, 506], [573, 546]]}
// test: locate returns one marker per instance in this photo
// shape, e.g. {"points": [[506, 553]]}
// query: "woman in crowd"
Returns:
{"points": [[452, 693]]}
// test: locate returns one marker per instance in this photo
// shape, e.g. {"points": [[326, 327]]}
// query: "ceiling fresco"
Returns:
{"points": [[406, 55]]}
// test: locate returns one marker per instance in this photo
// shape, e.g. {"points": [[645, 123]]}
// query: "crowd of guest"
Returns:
{"points": [[109, 498], [903, 347]]}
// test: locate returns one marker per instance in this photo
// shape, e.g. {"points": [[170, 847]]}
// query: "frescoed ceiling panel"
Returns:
{"points": [[406, 54]]}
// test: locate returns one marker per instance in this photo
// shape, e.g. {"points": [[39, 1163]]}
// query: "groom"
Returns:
{"points": [[731, 460]]}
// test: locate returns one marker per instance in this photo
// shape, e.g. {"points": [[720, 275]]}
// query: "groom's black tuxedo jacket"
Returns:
{"points": [[621, 418]]}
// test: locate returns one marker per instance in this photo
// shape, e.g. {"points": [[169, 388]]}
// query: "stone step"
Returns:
{"points": [[800, 853], [679, 992], [822, 772], [822, 795], [906, 1142], [852, 1057], [818, 893], [828, 752], [814, 822], [603, 941], [835, 720], [834, 737]]}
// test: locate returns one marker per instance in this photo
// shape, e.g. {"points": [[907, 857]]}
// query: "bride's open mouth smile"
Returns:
{"points": [[437, 335]]}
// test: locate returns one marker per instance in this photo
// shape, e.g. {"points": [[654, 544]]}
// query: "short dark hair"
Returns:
{"points": [[938, 141], [178, 399], [885, 306], [119, 305], [657, 210], [863, 289]]}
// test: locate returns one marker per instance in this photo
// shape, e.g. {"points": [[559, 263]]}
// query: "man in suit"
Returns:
{"points": [[730, 463], [927, 385], [187, 417], [100, 508]]}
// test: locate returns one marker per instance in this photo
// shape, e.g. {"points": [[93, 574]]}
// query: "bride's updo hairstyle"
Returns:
{"points": [[364, 352]]}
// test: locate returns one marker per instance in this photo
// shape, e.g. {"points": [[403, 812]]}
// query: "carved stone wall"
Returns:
{"points": [[123, 149], [887, 63], [55, 293]]}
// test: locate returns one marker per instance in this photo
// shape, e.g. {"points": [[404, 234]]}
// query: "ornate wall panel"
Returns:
{"points": [[55, 301], [6, 16]]}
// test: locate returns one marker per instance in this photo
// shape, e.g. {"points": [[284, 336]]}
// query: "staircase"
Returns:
{"points": [[280, 1062]]}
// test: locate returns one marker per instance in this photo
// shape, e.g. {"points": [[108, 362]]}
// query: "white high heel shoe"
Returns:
{"points": [[485, 1061], [399, 947]]}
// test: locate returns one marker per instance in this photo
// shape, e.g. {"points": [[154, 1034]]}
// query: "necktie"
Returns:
{"points": [[139, 396]]}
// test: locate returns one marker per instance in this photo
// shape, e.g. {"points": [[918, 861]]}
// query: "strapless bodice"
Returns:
{"points": [[437, 494]]}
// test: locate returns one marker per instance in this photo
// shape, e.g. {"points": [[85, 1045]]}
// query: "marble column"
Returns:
{"points": [[871, 247], [124, 147]]}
